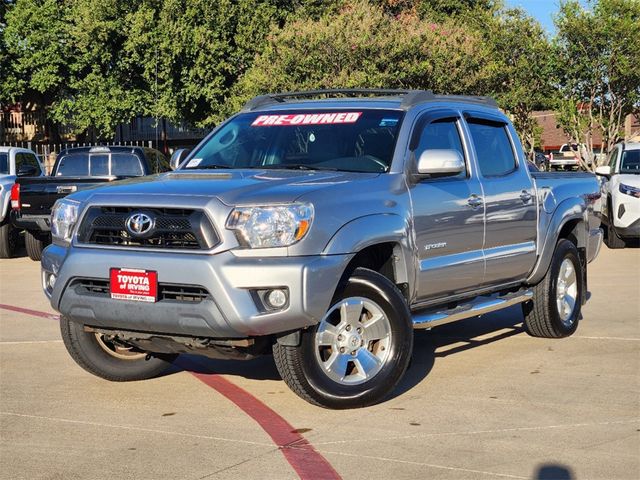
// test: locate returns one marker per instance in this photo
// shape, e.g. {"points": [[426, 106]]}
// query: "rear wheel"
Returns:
{"points": [[554, 311], [109, 360], [8, 239], [358, 352], [34, 246]]}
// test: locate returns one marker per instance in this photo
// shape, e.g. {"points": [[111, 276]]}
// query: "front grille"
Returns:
{"points": [[166, 291], [174, 228]]}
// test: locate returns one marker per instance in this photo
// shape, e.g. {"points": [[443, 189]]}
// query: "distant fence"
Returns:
{"points": [[22, 127]]}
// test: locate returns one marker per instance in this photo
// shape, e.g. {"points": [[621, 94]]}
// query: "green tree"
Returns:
{"points": [[38, 54], [597, 53], [192, 52], [522, 71], [363, 46], [105, 87]]}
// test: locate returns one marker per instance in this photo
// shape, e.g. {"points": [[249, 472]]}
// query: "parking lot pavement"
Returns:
{"points": [[480, 400]]}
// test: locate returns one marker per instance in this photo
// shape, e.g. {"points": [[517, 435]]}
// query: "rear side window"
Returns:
{"points": [[493, 147], [4, 163], [125, 165], [75, 165], [26, 159]]}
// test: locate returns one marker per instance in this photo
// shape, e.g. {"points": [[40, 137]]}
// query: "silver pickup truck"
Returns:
{"points": [[323, 230]]}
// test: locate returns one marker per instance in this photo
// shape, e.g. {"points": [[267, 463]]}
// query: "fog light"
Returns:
{"points": [[276, 298], [51, 281]]}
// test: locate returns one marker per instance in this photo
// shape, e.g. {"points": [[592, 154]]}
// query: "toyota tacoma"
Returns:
{"points": [[322, 227]]}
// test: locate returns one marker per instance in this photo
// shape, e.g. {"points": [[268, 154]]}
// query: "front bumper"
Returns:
{"points": [[231, 312], [631, 231], [41, 223]]}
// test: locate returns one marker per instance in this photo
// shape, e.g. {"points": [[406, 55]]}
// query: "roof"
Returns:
{"points": [[102, 149], [631, 145], [359, 97]]}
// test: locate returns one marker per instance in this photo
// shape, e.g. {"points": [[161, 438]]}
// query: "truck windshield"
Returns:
{"points": [[99, 165], [336, 139], [4, 163], [630, 162]]}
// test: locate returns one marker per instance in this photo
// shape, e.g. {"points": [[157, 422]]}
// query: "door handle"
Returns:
{"points": [[525, 196], [65, 189], [475, 201]]}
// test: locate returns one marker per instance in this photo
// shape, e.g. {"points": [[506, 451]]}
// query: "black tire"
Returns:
{"points": [[541, 315], [300, 366], [87, 352], [8, 239], [34, 246], [611, 239]]}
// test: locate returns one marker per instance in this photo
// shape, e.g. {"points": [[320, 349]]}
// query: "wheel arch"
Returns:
{"points": [[380, 242], [569, 222]]}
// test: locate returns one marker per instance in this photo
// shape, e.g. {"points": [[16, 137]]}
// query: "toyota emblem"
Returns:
{"points": [[139, 223]]}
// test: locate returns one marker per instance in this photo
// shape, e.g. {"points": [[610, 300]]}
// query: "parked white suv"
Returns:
{"points": [[621, 189]]}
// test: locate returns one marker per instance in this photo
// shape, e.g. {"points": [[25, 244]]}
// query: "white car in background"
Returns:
{"points": [[621, 192]]}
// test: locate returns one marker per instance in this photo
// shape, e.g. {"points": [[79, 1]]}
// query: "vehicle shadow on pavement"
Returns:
{"points": [[456, 338], [440, 342], [260, 368]]}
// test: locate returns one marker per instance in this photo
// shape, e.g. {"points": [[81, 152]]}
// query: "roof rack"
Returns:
{"points": [[410, 98]]}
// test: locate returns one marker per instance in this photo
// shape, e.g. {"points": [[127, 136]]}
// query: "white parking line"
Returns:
{"points": [[481, 432], [135, 429], [29, 342], [421, 464]]}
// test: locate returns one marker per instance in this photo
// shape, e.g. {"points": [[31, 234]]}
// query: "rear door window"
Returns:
{"points": [[493, 147]]}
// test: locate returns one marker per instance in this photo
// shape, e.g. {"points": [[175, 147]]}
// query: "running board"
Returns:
{"points": [[478, 306]]}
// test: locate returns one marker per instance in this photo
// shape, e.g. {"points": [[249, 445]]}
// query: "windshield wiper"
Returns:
{"points": [[296, 166], [209, 167]]}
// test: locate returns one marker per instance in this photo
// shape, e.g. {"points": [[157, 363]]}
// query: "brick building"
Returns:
{"points": [[553, 136]]}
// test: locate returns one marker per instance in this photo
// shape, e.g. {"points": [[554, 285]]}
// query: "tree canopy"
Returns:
{"points": [[94, 64]]}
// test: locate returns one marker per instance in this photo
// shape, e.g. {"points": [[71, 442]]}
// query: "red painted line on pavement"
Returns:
{"points": [[27, 311], [303, 458]]}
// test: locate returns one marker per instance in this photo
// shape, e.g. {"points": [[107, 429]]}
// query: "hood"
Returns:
{"points": [[231, 187], [631, 179]]}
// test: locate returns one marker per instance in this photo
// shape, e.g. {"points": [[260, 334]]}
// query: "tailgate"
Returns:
{"points": [[37, 196]]}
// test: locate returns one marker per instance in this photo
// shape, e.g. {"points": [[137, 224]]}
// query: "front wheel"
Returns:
{"points": [[554, 311], [611, 239], [358, 352], [107, 359]]}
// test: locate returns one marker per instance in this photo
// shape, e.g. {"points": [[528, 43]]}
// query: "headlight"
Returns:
{"points": [[629, 190], [271, 226], [63, 218]]}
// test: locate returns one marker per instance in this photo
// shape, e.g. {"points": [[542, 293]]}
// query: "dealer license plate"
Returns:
{"points": [[132, 284]]}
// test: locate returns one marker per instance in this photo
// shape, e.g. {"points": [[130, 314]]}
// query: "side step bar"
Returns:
{"points": [[478, 306]]}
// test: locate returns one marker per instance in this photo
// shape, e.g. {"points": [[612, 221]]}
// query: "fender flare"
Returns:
{"points": [[567, 211], [373, 229]]}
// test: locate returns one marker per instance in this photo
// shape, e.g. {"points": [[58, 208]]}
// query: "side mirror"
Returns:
{"points": [[440, 162], [28, 171], [605, 171], [178, 157]]}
